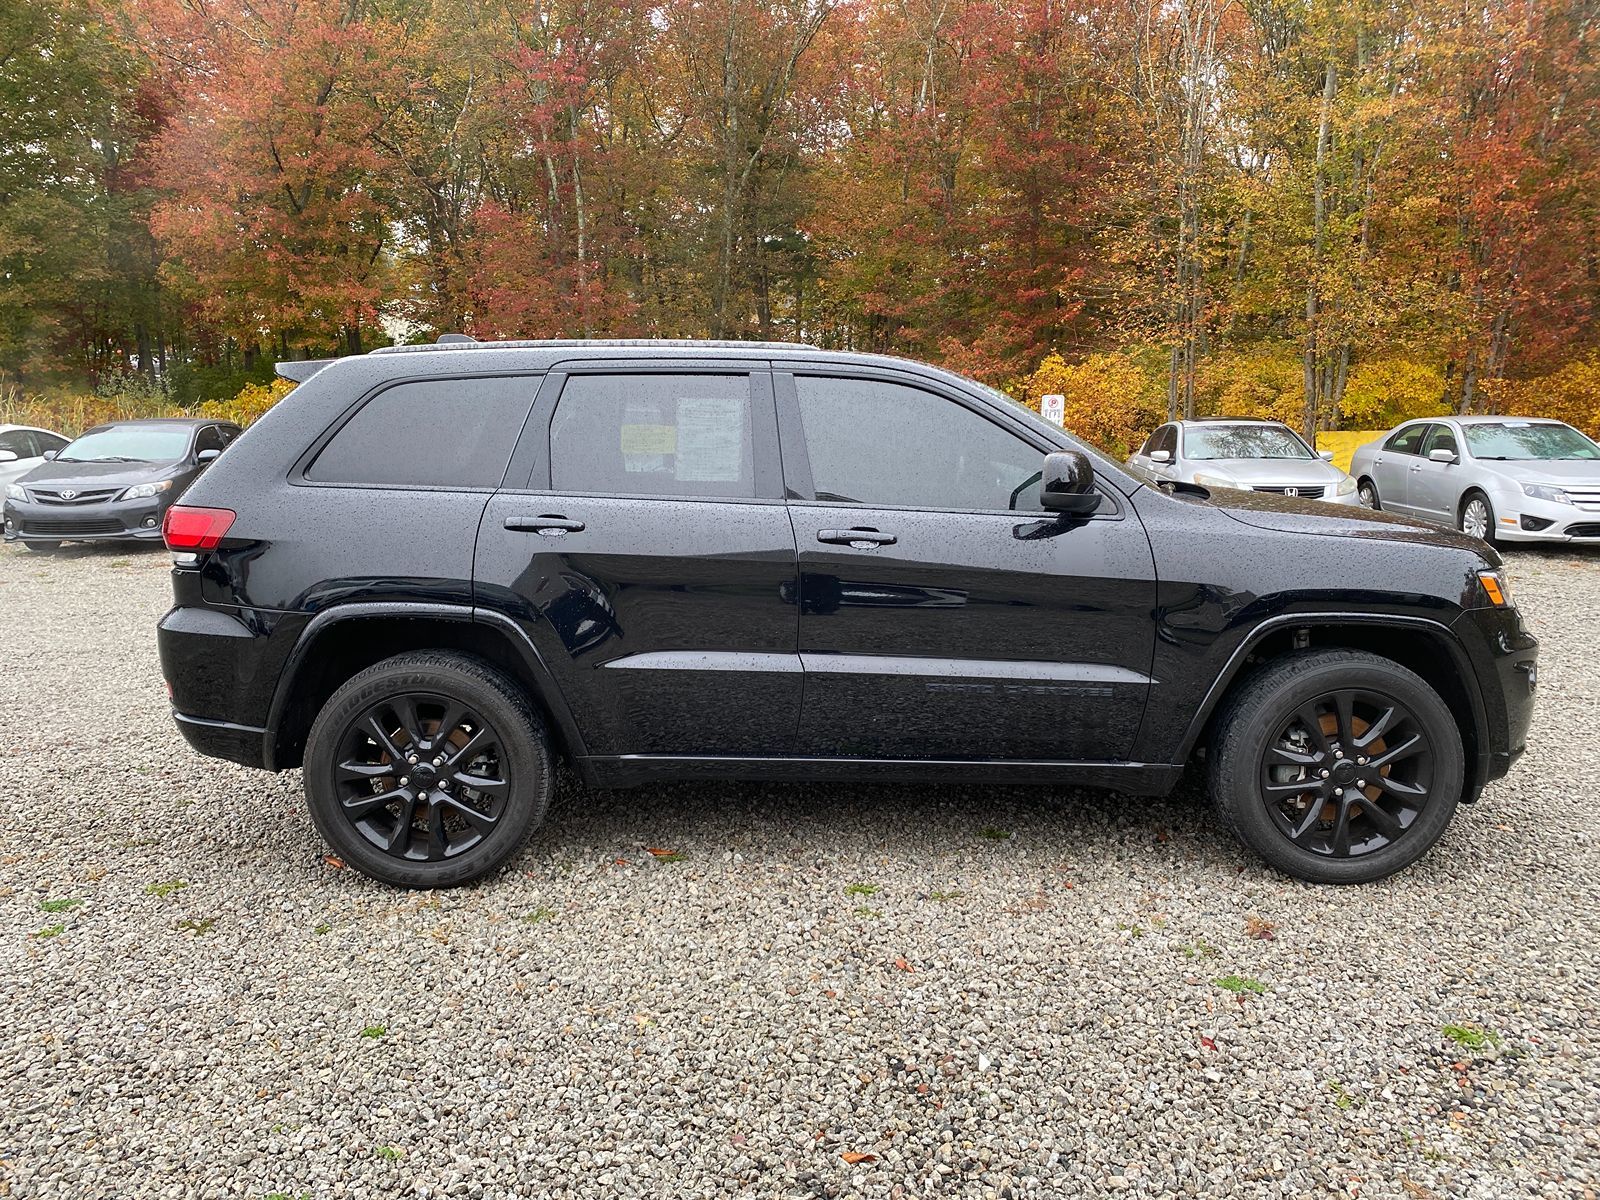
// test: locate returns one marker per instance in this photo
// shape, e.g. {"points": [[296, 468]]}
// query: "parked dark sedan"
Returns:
{"points": [[113, 483]]}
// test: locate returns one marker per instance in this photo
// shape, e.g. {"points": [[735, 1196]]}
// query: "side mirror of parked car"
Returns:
{"points": [[1442, 455], [206, 457], [49, 455], [8, 456], [1325, 455], [1067, 484], [1161, 456]]}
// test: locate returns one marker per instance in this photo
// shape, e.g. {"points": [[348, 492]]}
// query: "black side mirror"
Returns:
{"points": [[207, 457], [1067, 484]]}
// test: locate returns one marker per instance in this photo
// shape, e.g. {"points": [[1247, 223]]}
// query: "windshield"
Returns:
{"points": [[1242, 441], [1525, 440], [129, 443]]}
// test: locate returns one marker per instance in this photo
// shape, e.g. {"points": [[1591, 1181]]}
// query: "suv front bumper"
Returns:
{"points": [[1505, 658]]}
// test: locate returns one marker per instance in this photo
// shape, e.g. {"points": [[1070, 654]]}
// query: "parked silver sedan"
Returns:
{"points": [[22, 448], [1258, 456], [1497, 478]]}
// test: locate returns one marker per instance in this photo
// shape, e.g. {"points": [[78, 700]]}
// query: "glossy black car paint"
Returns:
{"points": [[671, 639], [80, 501]]}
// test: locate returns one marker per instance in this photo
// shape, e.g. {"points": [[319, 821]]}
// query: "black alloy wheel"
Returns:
{"points": [[429, 769], [422, 777], [1347, 773], [1336, 766]]}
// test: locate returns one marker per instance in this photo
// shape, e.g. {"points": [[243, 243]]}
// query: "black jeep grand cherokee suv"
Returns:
{"points": [[425, 573]]}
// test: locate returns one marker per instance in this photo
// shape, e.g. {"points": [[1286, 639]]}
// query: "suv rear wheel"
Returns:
{"points": [[427, 770], [1337, 766]]}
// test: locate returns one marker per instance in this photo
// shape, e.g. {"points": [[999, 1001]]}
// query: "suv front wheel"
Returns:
{"points": [[427, 770], [1337, 766]]}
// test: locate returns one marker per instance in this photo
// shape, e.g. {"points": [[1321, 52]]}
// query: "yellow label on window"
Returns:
{"points": [[649, 439]]}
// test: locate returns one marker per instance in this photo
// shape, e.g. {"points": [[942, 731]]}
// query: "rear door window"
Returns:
{"points": [[453, 433], [654, 435]]}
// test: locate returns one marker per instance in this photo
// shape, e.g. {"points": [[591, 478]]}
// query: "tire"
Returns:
{"points": [[43, 547], [367, 799], [1466, 515], [1258, 765], [1368, 491]]}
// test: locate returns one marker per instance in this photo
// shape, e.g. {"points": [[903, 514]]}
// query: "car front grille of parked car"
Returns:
{"points": [[1305, 493], [1585, 495], [58, 496], [1584, 529], [68, 527]]}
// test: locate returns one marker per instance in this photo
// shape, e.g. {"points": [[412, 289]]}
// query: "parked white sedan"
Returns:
{"points": [[1243, 453], [22, 448], [1498, 478]]}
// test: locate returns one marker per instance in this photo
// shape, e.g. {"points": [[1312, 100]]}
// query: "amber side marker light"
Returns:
{"points": [[1496, 588], [188, 528]]}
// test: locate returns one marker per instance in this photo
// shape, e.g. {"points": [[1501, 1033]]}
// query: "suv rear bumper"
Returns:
{"points": [[242, 744]]}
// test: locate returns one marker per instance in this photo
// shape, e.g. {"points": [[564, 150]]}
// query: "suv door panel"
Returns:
{"points": [[669, 623], [965, 634], [973, 635]]}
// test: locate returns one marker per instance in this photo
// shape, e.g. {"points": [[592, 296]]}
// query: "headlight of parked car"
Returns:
{"points": [[1344, 487], [143, 491], [1221, 481], [15, 491], [1540, 491]]}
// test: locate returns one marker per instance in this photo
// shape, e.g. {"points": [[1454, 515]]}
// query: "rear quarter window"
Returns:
{"points": [[430, 433]]}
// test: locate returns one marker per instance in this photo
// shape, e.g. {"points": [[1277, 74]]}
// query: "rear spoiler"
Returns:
{"points": [[303, 369]]}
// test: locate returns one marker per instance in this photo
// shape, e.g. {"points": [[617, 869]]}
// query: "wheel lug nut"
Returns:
{"points": [[438, 760], [1362, 761], [404, 780], [411, 758], [422, 795], [1338, 791], [1338, 753], [1325, 772]]}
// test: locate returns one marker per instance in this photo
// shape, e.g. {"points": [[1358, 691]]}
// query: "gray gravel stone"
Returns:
{"points": [[211, 1010]]}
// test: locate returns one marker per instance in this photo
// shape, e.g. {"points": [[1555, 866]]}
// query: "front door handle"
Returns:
{"points": [[548, 524], [859, 539]]}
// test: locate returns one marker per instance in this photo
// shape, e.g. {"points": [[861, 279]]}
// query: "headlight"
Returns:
{"points": [[1497, 587], [15, 491], [143, 491], [1218, 481], [1344, 487], [1541, 491]]}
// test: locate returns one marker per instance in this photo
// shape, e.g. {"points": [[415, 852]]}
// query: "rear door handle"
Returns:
{"points": [[860, 539], [548, 524]]}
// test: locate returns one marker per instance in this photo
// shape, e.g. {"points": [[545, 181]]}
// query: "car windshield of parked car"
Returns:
{"points": [[1242, 441], [1509, 440], [129, 443]]}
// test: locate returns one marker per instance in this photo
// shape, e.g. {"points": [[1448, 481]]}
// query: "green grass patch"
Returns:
{"points": [[996, 835], [198, 926], [50, 931], [391, 1153], [166, 888], [1471, 1037], [1240, 984], [862, 889], [374, 1031], [66, 904]]}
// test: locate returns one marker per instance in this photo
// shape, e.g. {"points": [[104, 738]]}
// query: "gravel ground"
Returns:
{"points": [[832, 992]]}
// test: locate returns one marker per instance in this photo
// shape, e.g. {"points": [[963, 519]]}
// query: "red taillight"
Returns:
{"points": [[187, 528]]}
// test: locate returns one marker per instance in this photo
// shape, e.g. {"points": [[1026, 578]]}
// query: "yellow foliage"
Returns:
{"points": [[1386, 391], [1571, 394], [1110, 401], [252, 401], [1346, 442], [72, 414], [1267, 383]]}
